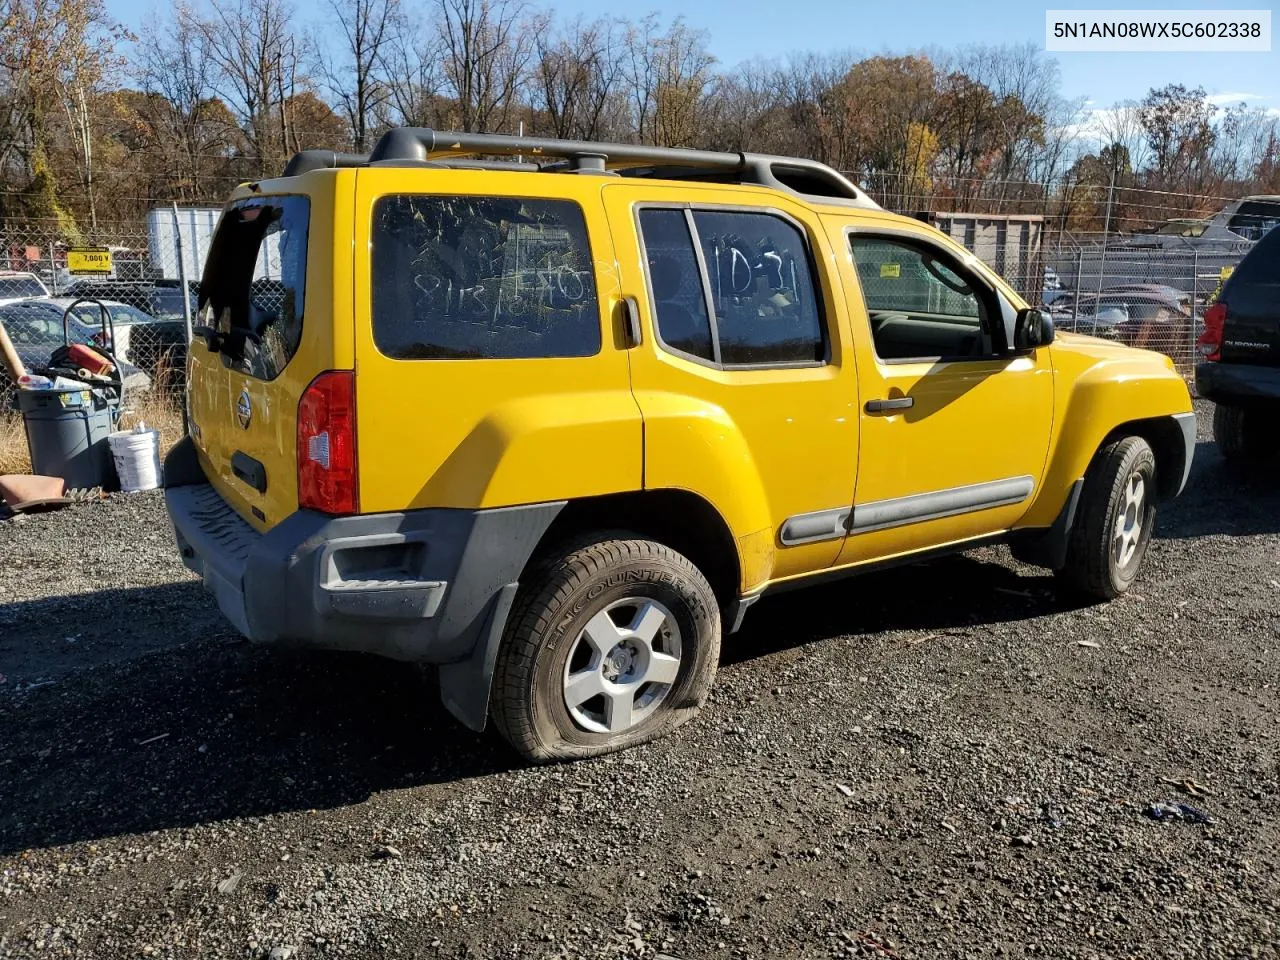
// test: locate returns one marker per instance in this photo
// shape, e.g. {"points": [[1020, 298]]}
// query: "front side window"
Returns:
{"points": [[252, 291], [919, 302], [457, 278]]}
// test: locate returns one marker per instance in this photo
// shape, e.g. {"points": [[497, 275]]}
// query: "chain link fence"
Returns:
{"points": [[137, 304], [1145, 290]]}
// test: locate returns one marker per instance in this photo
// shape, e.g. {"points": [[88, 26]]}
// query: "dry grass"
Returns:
{"points": [[13, 444], [159, 410]]}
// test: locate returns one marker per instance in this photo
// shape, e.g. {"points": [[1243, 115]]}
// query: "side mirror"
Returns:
{"points": [[1033, 328]]}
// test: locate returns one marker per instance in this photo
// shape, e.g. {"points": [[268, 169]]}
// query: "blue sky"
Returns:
{"points": [[743, 29]]}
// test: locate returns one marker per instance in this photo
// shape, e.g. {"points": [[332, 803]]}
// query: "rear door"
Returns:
{"points": [[741, 315], [270, 299], [1251, 332]]}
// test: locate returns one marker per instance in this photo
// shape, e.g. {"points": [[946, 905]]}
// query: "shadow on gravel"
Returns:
{"points": [[214, 730], [950, 593], [1223, 498], [148, 719]]}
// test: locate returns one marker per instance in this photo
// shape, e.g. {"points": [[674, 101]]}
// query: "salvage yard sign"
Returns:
{"points": [[95, 260]]}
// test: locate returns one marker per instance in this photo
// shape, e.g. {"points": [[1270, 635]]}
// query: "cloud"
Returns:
{"points": [[1092, 128], [1231, 99]]}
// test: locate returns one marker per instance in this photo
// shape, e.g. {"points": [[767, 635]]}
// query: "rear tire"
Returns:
{"points": [[1245, 434], [609, 645], [1116, 515]]}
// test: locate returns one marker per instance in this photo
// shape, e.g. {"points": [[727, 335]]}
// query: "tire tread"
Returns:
{"points": [[1088, 550], [552, 580]]}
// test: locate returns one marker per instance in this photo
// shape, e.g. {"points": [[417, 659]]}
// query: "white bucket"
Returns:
{"points": [[137, 456]]}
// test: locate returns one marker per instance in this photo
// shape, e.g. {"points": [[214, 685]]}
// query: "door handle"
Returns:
{"points": [[631, 316], [897, 403]]}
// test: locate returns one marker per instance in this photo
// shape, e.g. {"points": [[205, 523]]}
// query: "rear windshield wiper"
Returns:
{"points": [[229, 343]]}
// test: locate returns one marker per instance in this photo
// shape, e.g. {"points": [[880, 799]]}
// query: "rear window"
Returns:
{"points": [[252, 291], [21, 286], [1255, 219], [482, 278]]}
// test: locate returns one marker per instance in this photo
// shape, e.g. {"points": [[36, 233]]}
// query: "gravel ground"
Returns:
{"points": [[939, 761]]}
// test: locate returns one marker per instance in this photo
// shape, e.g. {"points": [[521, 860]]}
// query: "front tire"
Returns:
{"points": [[1116, 516], [609, 645]]}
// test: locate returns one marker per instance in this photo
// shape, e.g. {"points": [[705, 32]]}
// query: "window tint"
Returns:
{"points": [[766, 307], [679, 302], [919, 304], [482, 278], [762, 295], [254, 283]]}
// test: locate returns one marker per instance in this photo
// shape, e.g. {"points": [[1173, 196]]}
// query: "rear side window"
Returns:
{"points": [[750, 299], [254, 283], [458, 278], [679, 299]]}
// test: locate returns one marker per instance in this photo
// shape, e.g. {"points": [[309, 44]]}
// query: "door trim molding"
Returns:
{"points": [[814, 527], [922, 507], [899, 511]]}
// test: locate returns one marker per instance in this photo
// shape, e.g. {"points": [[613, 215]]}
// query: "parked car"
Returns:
{"points": [[35, 328], [160, 299], [139, 337], [1240, 346], [15, 285], [1140, 315], [558, 433]]}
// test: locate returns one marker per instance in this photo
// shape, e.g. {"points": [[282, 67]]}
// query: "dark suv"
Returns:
{"points": [[1241, 350]]}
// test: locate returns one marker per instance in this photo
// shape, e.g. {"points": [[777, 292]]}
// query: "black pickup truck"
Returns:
{"points": [[1240, 347]]}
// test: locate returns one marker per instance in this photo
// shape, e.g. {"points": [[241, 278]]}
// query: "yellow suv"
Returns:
{"points": [[554, 414]]}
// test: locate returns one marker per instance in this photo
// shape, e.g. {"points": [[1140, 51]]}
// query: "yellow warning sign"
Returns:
{"points": [[890, 271], [95, 260]]}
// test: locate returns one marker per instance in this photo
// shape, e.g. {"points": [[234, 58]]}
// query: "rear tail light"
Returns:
{"points": [[328, 479], [1210, 342]]}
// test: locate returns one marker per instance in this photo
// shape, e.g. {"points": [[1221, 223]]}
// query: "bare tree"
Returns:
{"points": [[354, 80], [486, 46], [257, 58], [746, 110], [667, 75], [411, 65], [188, 125], [577, 79]]}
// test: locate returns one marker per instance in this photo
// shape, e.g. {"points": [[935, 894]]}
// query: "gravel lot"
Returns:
{"points": [[939, 761]]}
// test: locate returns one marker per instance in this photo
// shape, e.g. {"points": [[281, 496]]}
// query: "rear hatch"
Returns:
{"points": [[1251, 330], [263, 330]]}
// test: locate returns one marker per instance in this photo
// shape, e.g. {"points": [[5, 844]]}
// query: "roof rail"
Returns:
{"points": [[424, 146], [307, 160]]}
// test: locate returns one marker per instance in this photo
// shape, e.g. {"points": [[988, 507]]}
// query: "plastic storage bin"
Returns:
{"points": [[67, 433]]}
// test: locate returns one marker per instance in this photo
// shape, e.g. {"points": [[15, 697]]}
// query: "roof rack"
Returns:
{"points": [[422, 146]]}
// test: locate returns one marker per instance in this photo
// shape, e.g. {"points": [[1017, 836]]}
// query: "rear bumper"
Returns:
{"points": [[1237, 381], [423, 585]]}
